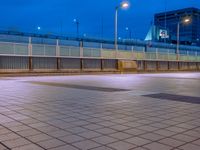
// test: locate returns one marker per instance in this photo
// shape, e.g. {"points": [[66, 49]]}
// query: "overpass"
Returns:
{"points": [[30, 53]]}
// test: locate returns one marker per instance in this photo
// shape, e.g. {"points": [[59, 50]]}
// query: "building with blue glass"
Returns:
{"points": [[166, 26]]}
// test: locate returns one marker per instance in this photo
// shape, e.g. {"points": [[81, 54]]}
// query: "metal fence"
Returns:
{"points": [[136, 53]]}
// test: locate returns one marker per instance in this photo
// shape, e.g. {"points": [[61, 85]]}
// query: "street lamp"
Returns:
{"points": [[129, 33], [77, 27], [123, 5], [184, 21], [38, 28]]}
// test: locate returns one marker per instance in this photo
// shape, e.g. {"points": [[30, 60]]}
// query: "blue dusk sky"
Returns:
{"points": [[95, 16]]}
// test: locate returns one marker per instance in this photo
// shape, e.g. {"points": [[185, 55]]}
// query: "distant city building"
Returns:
{"points": [[166, 26]]}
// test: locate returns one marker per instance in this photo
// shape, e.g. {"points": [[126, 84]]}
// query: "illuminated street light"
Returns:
{"points": [[123, 5], [38, 28], [129, 33], [187, 20], [184, 21], [77, 27]]}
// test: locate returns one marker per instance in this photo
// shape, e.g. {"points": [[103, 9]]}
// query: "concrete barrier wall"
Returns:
{"points": [[151, 65], [110, 64], [173, 65], [140, 65], [163, 66], [192, 66], [14, 63], [91, 64], [70, 64], [183, 66], [42, 63]]}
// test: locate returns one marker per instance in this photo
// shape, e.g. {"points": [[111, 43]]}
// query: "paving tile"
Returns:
{"points": [[77, 130], [152, 136], [106, 131], [65, 147], [157, 146], [190, 147], [104, 140], [171, 142], [4, 119], [102, 148], [71, 138], [4, 131], [165, 133], [39, 137], [135, 131], [176, 129], [120, 135], [147, 128], [9, 136], [122, 145], [192, 133], [52, 143], [119, 127], [3, 147], [16, 143], [87, 144], [197, 142], [29, 132], [93, 126], [138, 141], [47, 129], [139, 148], [20, 128], [28, 147], [184, 138], [58, 133], [90, 134]]}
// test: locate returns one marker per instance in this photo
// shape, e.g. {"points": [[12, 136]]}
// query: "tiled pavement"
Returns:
{"points": [[66, 116]]}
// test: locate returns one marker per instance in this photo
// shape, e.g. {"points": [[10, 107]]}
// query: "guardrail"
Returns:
{"points": [[42, 50]]}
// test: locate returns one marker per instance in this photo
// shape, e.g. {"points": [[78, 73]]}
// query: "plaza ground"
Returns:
{"points": [[101, 112]]}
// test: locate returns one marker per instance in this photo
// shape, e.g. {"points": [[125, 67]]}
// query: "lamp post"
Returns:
{"points": [[184, 21], [77, 27], [123, 5]]}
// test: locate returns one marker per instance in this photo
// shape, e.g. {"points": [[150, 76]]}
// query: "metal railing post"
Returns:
{"points": [[14, 49], [168, 54], [30, 46], [30, 54], [57, 48], [157, 53], [133, 57], [58, 54], [196, 56], [81, 49], [101, 50], [144, 54]]}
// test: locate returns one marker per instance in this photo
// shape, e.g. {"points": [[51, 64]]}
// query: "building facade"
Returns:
{"points": [[166, 24]]}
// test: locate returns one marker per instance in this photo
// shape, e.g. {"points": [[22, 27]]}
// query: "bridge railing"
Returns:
{"points": [[43, 50]]}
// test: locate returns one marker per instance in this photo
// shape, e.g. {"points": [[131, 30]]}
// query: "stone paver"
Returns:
{"points": [[122, 145], [157, 146], [100, 112]]}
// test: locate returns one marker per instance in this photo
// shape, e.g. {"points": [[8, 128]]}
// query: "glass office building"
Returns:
{"points": [[168, 21]]}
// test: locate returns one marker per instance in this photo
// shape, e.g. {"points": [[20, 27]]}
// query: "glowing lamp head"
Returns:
{"points": [[124, 5], [187, 20], [39, 28]]}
